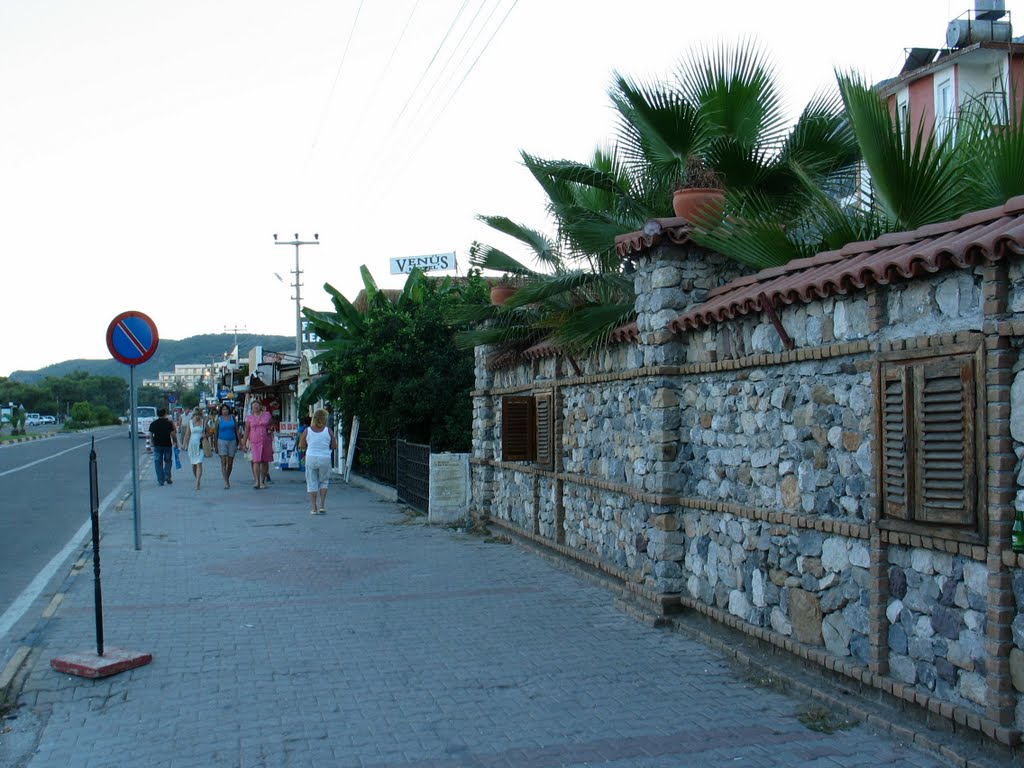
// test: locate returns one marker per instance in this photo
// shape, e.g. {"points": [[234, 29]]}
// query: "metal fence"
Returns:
{"points": [[400, 464], [413, 481], [375, 458]]}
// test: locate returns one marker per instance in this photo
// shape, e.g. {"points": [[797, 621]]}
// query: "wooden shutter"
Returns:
{"points": [[518, 429], [946, 481], [545, 436], [896, 458]]}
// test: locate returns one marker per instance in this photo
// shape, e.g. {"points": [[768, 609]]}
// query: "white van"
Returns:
{"points": [[144, 416]]}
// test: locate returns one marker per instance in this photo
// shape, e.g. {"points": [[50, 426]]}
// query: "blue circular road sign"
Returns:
{"points": [[132, 338]]}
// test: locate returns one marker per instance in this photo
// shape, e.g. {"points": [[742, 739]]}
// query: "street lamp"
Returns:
{"points": [[297, 285]]}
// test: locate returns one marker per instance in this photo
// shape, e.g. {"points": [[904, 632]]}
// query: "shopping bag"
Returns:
{"points": [[177, 457]]}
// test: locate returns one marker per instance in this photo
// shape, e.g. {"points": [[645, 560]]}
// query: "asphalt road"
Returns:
{"points": [[44, 498]]}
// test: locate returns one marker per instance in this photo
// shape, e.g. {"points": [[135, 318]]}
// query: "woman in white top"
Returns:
{"points": [[193, 441], [318, 441]]}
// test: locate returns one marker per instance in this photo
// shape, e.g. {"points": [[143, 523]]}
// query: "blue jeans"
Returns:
{"points": [[162, 459]]}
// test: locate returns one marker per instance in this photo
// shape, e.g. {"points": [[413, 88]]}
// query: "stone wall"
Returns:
{"points": [[738, 477], [790, 437]]}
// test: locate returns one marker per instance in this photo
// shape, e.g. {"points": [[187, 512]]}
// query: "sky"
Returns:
{"points": [[149, 151]]}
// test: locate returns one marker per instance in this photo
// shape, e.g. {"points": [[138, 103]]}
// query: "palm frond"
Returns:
{"points": [[753, 236], [568, 285], [658, 129], [487, 257], [318, 389], [345, 320], [993, 139], [735, 89], [591, 326], [917, 177], [518, 335], [544, 249]]}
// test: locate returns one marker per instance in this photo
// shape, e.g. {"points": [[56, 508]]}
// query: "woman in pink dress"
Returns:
{"points": [[259, 441]]}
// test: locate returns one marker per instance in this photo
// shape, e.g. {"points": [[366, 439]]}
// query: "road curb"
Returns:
{"points": [[27, 438], [18, 662]]}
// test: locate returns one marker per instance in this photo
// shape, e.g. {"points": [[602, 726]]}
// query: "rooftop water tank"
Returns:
{"points": [[963, 32]]}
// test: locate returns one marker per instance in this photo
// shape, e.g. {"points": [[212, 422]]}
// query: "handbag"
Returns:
{"points": [[207, 447], [177, 457]]}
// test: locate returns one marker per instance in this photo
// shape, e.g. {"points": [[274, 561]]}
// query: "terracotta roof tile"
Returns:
{"points": [[674, 230], [979, 236]]}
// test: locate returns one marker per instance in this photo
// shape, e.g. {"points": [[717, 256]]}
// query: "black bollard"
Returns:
{"points": [[94, 500], [85, 664]]}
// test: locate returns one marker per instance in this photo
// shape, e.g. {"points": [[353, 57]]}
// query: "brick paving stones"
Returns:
{"points": [[365, 638]]}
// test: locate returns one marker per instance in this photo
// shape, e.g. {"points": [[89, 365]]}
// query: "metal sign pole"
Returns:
{"points": [[136, 507], [94, 504]]}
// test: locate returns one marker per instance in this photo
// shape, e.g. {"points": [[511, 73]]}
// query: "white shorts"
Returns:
{"points": [[318, 473]]}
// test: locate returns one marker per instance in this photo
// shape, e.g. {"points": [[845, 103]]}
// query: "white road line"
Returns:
{"points": [[52, 456], [28, 596]]}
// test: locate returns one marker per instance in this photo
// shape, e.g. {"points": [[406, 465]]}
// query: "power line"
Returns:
{"points": [[472, 43], [427, 68], [408, 157], [426, 97], [387, 66], [337, 76]]}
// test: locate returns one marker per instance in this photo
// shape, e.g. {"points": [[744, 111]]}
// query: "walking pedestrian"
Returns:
{"points": [[226, 442], [194, 432], [165, 440], [210, 432], [259, 443], [318, 441], [303, 426]]}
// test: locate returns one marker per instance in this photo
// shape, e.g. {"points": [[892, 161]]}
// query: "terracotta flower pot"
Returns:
{"points": [[698, 204], [501, 293]]}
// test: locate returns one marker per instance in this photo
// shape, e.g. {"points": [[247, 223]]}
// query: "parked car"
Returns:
{"points": [[33, 420], [48, 419]]}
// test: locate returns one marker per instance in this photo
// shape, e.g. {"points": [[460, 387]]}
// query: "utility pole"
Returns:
{"points": [[234, 330], [297, 285]]}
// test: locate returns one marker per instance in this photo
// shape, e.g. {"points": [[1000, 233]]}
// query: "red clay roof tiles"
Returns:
{"points": [[973, 238]]}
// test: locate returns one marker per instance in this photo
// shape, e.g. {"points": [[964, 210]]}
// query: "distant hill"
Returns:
{"points": [[195, 349]]}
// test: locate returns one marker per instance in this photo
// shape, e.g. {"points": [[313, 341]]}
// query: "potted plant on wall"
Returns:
{"points": [[503, 290], [699, 194]]}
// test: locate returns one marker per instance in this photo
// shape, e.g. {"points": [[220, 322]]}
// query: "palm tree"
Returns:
{"points": [[578, 295], [725, 108], [912, 177]]}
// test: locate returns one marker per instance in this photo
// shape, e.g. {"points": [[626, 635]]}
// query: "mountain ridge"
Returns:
{"points": [[169, 352]]}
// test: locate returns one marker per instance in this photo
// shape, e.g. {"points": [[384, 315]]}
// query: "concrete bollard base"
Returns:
{"points": [[89, 664]]}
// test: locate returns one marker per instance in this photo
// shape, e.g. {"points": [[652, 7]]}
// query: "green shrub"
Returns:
{"points": [[82, 412], [104, 416]]}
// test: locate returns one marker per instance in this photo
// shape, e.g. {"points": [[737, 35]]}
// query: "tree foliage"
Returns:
{"points": [[56, 394], [395, 365]]}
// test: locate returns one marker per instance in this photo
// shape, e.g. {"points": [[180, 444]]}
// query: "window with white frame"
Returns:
{"points": [[944, 106]]}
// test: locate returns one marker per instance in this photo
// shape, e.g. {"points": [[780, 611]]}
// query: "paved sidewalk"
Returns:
{"points": [[365, 638]]}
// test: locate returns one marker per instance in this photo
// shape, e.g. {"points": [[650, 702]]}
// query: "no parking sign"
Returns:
{"points": [[132, 338]]}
